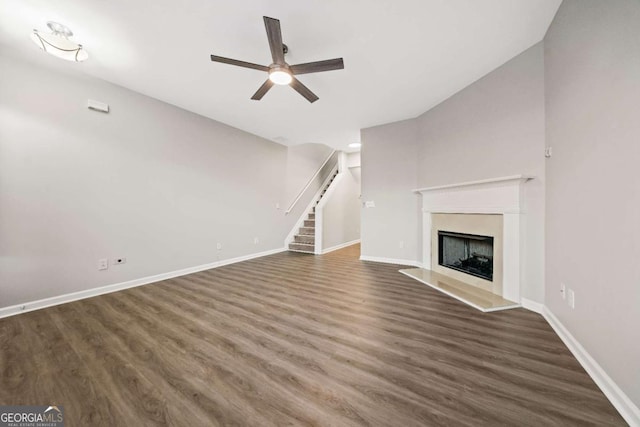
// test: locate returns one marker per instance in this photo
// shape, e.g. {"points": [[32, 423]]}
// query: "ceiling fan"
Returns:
{"points": [[280, 72]]}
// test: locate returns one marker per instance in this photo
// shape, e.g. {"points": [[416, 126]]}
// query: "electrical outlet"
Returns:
{"points": [[401, 245], [571, 296], [121, 260], [277, 205], [256, 240], [103, 264], [548, 152], [219, 246], [563, 291]]}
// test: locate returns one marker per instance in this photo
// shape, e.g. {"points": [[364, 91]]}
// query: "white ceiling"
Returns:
{"points": [[402, 57]]}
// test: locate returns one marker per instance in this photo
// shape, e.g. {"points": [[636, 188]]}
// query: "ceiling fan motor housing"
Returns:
{"points": [[279, 67]]}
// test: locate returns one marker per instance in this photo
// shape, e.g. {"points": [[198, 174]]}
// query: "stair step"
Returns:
{"points": [[301, 247], [307, 231], [312, 216], [301, 238], [309, 222]]}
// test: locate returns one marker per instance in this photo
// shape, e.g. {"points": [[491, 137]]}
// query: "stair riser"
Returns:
{"points": [[301, 247], [307, 231], [304, 239]]}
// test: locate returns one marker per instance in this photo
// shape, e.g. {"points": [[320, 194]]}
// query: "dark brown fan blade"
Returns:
{"points": [[318, 66], [244, 64], [262, 90], [275, 39], [303, 90]]}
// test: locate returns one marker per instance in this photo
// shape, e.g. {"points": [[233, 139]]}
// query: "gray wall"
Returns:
{"points": [[579, 94], [389, 173], [302, 163], [494, 127], [592, 76], [149, 182], [341, 210]]}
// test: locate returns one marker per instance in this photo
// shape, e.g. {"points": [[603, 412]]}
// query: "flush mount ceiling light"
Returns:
{"points": [[355, 145], [58, 44]]}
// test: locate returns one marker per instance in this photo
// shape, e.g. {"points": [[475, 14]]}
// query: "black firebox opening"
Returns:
{"points": [[469, 253]]}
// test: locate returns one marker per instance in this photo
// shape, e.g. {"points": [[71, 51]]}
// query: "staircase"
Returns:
{"points": [[305, 240]]}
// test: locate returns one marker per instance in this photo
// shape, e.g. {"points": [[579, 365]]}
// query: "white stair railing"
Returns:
{"points": [[306, 187], [312, 203]]}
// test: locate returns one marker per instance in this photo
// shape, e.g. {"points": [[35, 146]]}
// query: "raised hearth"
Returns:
{"points": [[471, 295]]}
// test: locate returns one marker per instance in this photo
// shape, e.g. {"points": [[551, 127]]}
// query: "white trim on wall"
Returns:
{"points": [[318, 237], [75, 296], [478, 182], [616, 396], [343, 245], [532, 305], [391, 261]]}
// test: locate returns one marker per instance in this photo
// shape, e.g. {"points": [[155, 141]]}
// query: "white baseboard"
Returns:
{"points": [[532, 305], [343, 245], [391, 261], [74, 296], [618, 398]]}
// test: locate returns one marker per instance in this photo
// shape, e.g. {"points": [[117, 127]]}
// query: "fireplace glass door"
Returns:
{"points": [[468, 253]]}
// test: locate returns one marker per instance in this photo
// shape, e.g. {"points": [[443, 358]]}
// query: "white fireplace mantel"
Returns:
{"points": [[496, 195], [521, 178], [502, 195]]}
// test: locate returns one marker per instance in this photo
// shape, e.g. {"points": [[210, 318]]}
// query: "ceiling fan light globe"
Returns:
{"points": [[280, 77]]}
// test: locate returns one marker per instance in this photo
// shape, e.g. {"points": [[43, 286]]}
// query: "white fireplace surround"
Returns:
{"points": [[503, 195]]}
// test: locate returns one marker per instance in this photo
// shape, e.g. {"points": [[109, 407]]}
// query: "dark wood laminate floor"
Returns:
{"points": [[294, 339]]}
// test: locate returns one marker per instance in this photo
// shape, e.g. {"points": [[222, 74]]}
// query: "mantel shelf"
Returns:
{"points": [[523, 178]]}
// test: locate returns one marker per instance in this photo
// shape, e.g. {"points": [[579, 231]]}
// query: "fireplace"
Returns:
{"points": [[469, 253], [489, 207]]}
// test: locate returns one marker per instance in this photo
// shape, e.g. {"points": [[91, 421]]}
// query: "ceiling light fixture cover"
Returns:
{"points": [[355, 145], [58, 44], [280, 75]]}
